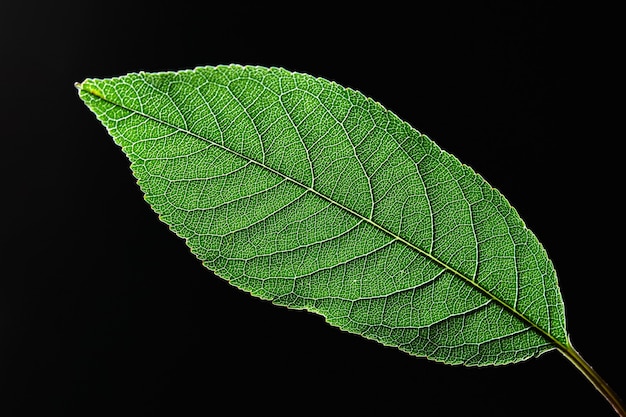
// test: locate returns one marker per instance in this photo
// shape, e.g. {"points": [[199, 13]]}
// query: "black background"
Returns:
{"points": [[103, 311]]}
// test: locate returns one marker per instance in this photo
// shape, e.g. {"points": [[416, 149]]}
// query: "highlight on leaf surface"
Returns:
{"points": [[311, 195]]}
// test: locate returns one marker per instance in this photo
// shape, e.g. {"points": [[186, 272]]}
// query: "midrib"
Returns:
{"points": [[520, 316]]}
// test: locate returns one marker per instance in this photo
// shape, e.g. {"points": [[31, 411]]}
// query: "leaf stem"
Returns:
{"points": [[570, 353]]}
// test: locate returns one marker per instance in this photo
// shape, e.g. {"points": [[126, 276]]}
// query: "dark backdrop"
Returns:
{"points": [[103, 311]]}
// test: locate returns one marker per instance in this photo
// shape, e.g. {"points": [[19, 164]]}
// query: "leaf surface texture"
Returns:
{"points": [[311, 195]]}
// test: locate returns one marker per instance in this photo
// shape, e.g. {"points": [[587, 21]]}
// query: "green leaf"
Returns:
{"points": [[308, 194], [315, 197]]}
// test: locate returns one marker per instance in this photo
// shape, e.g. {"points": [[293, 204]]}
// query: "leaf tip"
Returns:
{"points": [[87, 87]]}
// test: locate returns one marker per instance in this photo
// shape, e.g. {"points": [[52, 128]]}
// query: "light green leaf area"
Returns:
{"points": [[300, 191]]}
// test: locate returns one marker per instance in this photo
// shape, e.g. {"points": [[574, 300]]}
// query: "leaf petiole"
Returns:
{"points": [[600, 384]]}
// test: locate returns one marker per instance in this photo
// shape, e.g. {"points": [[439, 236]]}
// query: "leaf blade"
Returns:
{"points": [[248, 154]]}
